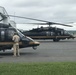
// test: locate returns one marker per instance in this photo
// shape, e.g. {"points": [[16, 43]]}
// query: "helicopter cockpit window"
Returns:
{"points": [[24, 37], [20, 34], [66, 32]]}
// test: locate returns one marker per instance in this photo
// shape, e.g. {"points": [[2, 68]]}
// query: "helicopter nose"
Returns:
{"points": [[37, 43], [34, 43]]}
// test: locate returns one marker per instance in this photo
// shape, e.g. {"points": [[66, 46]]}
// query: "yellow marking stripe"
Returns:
{"points": [[62, 36], [42, 36], [31, 43], [8, 43], [49, 36]]}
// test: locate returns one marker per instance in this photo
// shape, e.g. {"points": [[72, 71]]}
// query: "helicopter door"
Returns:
{"points": [[2, 34], [10, 33]]}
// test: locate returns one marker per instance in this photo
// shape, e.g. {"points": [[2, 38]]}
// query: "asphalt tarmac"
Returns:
{"points": [[48, 51]]}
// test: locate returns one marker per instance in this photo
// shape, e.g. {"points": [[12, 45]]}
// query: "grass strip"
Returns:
{"points": [[52, 68]]}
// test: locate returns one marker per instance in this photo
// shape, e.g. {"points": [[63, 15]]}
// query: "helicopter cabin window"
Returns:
{"points": [[48, 33], [62, 32], [2, 35], [52, 33], [65, 32]]}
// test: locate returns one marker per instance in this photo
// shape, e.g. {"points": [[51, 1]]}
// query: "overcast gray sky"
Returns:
{"points": [[62, 11]]}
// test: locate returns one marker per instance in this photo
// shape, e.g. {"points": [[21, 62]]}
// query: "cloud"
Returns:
{"points": [[62, 11]]}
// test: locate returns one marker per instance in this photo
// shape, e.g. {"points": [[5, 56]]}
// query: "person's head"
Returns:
{"points": [[15, 33]]}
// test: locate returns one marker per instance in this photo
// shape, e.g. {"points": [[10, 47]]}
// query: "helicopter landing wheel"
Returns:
{"points": [[56, 40], [34, 47], [3, 50]]}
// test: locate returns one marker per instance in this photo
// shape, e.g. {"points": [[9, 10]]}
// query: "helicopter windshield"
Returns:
{"points": [[24, 37], [66, 32], [20, 34]]}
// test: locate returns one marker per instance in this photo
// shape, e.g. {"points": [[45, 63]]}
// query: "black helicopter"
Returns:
{"points": [[6, 33], [54, 33]]}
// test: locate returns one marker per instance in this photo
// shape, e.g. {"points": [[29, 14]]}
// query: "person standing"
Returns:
{"points": [[16, 40]]}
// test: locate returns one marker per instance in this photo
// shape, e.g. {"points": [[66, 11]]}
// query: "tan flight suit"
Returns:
{"points": [[16, 39]]}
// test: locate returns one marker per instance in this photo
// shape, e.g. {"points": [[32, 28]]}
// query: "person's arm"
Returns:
{"points": [[13, 38]]}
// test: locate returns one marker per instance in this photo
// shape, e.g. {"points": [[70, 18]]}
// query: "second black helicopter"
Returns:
{"points": [[54, 33]]}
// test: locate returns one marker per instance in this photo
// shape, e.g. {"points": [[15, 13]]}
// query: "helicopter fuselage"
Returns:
{"points": [[6, 42], [53, 33]]}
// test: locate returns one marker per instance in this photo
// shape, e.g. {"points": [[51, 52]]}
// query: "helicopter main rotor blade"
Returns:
{"points": [[27, 18], [52, 23], [37, 23], [47, 22]]}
